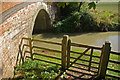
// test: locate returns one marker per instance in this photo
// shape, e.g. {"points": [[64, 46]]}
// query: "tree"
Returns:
{"points": [[74, 16], [79, 4]]}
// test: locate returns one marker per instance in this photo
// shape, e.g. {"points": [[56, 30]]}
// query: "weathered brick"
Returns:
{"points": [[12, 30]]}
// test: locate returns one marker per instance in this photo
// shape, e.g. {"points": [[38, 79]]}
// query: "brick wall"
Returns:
{"points": [[12, 30], [6, 5]]}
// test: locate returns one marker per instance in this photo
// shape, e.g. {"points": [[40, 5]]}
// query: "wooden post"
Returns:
{"points": [[20, 52], [104, 60], [68, 53], [30, 45], [64, 44], [21, 57]]}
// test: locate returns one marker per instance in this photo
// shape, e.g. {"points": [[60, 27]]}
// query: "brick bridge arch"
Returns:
{"points": [[42, 22], [21, 24]]}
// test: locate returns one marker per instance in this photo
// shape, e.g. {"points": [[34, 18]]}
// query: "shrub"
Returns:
{"points": [[78, 22]]}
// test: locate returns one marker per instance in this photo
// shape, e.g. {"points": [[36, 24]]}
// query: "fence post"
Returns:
{"points": [[64, 45], [104, 60], [30, 45], [68, 53]]}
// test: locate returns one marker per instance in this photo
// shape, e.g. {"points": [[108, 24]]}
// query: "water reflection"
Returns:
{"points": [[113, 39]]}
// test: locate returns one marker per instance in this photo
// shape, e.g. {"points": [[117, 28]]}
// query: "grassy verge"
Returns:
{"points": [[34, 70]]}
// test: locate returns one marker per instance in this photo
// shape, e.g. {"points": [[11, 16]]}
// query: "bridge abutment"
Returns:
{"points": [[20, 24]]}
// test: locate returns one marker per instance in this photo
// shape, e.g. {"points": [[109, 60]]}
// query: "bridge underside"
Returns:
{"points": [[42, 22]]}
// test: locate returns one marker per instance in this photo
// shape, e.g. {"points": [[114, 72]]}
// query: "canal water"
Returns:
{"points": [[94, 39]]}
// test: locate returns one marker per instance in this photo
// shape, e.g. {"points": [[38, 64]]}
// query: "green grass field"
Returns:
{"points": [[107, 6], [107, 11]]}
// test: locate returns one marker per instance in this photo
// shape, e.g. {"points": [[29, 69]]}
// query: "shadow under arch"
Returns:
{"points": [[42, 22]]}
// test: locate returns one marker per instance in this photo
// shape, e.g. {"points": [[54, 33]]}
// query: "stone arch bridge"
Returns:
{"points": [[35, 17]]}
